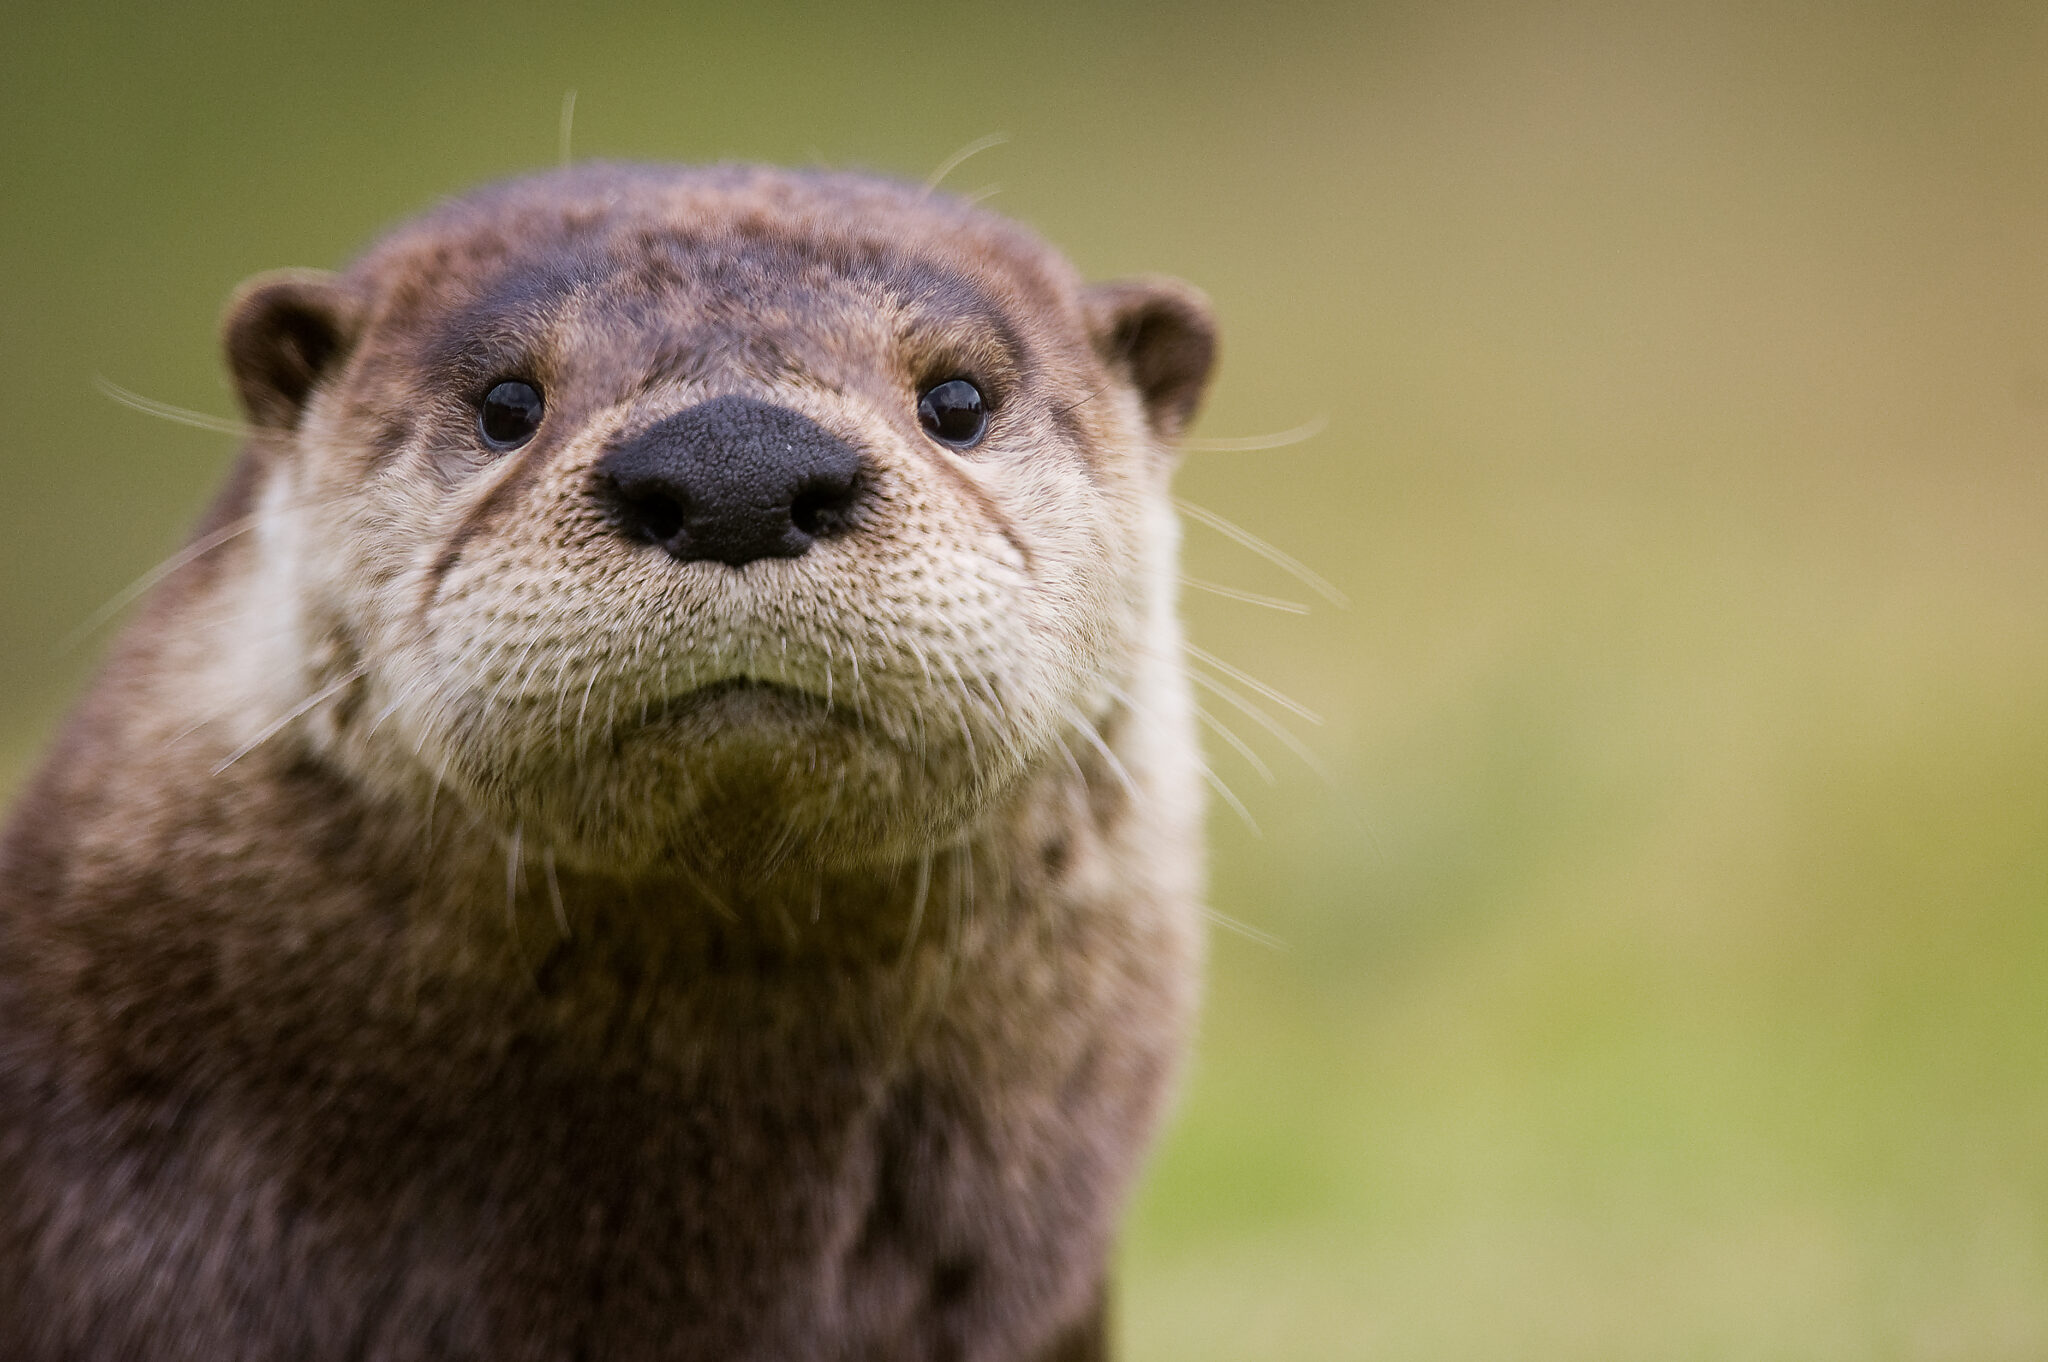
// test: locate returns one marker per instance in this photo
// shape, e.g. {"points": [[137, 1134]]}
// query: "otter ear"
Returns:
{"points": [[283, 333], [1160, 334]]}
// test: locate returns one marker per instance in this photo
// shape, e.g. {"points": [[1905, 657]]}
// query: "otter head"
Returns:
{"points": [[660, 513]]}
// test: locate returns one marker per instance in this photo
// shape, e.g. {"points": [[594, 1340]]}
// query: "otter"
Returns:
{"points": [[657, 817]]}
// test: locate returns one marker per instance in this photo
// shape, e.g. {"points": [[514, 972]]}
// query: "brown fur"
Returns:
{"points": [[449, 930]]}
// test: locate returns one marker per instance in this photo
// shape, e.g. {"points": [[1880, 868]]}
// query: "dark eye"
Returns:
{"points": [[953, 411], [510, 414]]}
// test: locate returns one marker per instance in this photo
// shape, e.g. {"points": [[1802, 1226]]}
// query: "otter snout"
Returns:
{"points": [[730, 480]]}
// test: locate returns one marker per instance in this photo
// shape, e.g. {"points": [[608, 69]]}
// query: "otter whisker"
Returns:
{"points": [[547, 865], [397, 701], [512, 878], [1085, 398], [963, 710], [1073, 764], [1236, 744], [1307, 430], [949, 949], [1243, 929], [779, 852], [441, 783], [141, 585], [1110, 759], [1279, 603], [1294, 707], [164, 411], [994, 711], [717, 904], [967, 885], [640, 689], [1265, 721], [232, 703], [1236, 804], [583, 709], [917, 899], [566, 125], [1285, 562], [325, 693], [954, 162]]}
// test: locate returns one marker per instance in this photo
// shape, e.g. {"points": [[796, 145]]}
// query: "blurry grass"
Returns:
{"points": [[1686, 999], [1663, 969]]}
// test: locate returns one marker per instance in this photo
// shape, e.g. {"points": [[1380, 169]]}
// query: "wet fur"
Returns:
{"points": [[447, 931]]}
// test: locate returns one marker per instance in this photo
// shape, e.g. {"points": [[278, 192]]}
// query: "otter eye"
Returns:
{"points": [[953, 412], [510, 413]]}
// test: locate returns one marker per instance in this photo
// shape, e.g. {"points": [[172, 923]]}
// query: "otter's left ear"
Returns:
{"points": [[283, 333], [1159, 332]]}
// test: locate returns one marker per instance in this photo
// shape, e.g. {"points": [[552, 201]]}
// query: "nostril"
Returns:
{"points": [[651, 513], [823, 509]]}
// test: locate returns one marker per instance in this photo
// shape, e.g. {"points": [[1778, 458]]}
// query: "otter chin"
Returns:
{"points": [[657, 817]]}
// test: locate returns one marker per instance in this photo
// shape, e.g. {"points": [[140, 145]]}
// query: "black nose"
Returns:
{"points": [[731, 479]]}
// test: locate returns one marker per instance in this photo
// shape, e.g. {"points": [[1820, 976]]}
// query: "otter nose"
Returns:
{"points": [[732, 480]]}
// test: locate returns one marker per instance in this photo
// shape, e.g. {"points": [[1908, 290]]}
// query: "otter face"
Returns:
{"points": [[649, 512]]}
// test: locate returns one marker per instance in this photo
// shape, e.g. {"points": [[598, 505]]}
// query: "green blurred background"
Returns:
{"points": [[1663, 965]]}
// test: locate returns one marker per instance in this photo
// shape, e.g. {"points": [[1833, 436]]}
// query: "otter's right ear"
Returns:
{"points": [[283, 333]]}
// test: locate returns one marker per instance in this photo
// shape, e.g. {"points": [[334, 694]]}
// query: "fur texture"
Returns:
{"points": [[451, 929]]}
